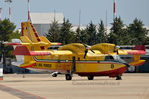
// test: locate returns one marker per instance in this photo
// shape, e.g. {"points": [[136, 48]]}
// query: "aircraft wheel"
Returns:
{"points": [[54, 75], [68, 76], [119, 77], [90, 77]]}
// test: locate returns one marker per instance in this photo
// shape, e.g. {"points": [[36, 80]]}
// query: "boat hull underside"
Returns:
{"points": [[110, 73]]}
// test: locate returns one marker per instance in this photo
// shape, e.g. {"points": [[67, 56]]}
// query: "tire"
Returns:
{"points": [[119, 77], [68, 76], [90, 77], [54, 75]]}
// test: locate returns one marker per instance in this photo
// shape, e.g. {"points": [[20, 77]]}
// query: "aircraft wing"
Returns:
{"points": [[39, 43], [136, 52]]}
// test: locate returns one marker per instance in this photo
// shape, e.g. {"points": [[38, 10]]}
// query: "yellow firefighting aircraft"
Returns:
{"points": [[76, 58]]}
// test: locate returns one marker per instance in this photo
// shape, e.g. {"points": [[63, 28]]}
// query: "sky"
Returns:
{"points": [[91, 10]]}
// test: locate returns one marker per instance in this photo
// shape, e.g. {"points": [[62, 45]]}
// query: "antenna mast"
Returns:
{"points": [[0, 14], [54, 27], [29, 19], [79, 26], [106, 34], [9, 2]]}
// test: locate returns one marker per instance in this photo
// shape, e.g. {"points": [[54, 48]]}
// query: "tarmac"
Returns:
{"points": [[44, 86]]}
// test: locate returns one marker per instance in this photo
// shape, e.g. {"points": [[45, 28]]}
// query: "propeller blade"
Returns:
{"points": [[86, 51], [116, 49], [92, 51], [126, 64]]}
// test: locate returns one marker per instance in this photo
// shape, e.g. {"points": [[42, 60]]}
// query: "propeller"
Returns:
{"points": [[87, 47], [116, 49]]}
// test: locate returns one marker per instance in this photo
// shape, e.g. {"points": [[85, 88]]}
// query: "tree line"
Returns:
{"points": [[120, 34]]}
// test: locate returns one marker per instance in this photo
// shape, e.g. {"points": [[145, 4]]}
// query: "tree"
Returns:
{"points": [[78, 35], [137, 32], [83, 36], [101, 37], [14, 35], [91, 31], [66, 35], [7, 33], [54, 32], [6, 28], [117, 32]]}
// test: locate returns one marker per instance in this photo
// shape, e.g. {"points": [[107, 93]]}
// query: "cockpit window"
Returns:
{"points": [[109, 58], [117, 58]]}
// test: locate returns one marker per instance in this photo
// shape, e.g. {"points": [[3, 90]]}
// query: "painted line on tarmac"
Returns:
{"points": [[19, 93]]}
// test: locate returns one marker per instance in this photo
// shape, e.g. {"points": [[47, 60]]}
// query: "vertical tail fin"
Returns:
{"points": [[30, 35], [29, 30]]}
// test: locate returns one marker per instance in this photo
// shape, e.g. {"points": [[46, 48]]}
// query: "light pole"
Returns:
{"points": [[0, 14]]}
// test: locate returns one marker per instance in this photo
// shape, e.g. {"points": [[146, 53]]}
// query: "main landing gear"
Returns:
{"points": [[68, 76], [119, 77], [90, 77]]}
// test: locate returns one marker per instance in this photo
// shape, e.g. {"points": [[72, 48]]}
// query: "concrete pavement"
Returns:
{"points": [[43, 86]]}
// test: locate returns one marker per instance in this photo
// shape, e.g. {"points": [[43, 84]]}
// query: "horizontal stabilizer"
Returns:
{"points": [[22, 50]]}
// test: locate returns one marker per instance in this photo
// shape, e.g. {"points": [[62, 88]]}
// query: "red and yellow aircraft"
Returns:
{"points": [[98, 60]]}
